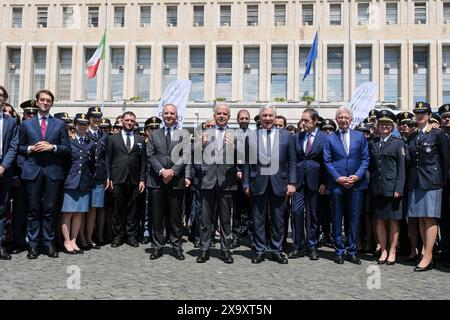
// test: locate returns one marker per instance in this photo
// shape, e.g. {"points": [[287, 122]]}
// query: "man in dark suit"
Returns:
{"points": [[346, 157], [44, 142], [444, 112], [269, 176], [168, 152], [8, 151], [311, 180], [125, 178], [217, 181]]}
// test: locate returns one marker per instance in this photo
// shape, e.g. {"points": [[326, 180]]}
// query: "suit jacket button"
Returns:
{"points": [[81, 157], [79, 172], [81, 165]]}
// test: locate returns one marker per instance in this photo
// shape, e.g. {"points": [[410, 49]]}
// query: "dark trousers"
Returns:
{"points": [[124, 215], [195, 216], [215, 201], [42, 193], [325, 216], [304, 206], [167, 202], [19, 197], [445, 224], [241, 215], [352, 201], [145, 227], [260, 205], [5, 183]]}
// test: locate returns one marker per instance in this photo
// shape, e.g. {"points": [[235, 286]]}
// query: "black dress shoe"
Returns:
{"points": [[85, 248], [51, 252], [227, 258], [426, 268], [156, 254], [196, 244], [379, 261], [33, 253], [64, 249], [116, 244], [18, 250], [4, 255], [93, 246], [296, 254], [236, 243], [81, 251], [145, 240], [390, 263], [339, 259], [353, 259], [133, 243], [178, 253], [203, 257], [278, 257], [258, 258], [313, 255]]}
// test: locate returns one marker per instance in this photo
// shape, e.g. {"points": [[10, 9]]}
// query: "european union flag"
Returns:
{"points": [[312, 55]]}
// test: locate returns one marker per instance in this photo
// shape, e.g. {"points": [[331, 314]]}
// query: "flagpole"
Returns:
{"points": [[104, 62], [317, 71]]}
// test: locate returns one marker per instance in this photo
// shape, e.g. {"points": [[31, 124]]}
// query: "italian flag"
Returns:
{"points": [[94, 61]]}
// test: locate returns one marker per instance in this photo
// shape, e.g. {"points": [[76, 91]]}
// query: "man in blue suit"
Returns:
{"points": [[346, 157], [44, 142], [8, 152], [311, 179], [269, 176]]}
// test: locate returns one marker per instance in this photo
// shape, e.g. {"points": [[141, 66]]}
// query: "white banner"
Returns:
{"points": [[176, 93], [363, 100]]}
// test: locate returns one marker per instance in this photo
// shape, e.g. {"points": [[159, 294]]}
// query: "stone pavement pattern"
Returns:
{"points": [[127, 273]]}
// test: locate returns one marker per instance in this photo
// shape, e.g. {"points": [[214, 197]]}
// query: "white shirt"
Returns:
{"points": [[385, 139], [307, 135], [263, 133], [95, 133], [124, 136]]}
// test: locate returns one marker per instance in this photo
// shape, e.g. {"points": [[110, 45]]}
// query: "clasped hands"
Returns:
{"points": [[348, 182], [41, 146]]}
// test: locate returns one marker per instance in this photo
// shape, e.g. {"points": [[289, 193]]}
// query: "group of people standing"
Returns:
{"points": [[392, 169]]}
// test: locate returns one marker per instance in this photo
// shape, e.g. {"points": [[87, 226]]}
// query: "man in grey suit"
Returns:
{"points": [[217, 181], [168, 149]]}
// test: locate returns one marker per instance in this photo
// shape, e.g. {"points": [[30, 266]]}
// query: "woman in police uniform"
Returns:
{"points": [[78, 184], [427, 171], [387, 179]]}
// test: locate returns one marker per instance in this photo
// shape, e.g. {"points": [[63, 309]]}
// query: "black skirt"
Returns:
{"points": [[387, 208]]}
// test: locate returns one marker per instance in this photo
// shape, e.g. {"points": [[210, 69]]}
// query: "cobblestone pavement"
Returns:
{"points": [[127, 273]]}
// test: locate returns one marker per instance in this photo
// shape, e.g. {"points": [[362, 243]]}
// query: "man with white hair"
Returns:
{"points": [[346, 157]]}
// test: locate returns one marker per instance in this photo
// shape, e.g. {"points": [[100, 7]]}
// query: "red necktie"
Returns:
{"points": [[43, 126]]}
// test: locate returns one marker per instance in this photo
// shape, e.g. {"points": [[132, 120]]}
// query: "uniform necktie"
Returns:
{"points": [[43, 126], [128, 145], [308, 144], [269, 144], [168, 139], [382, 144], [344, 141]]}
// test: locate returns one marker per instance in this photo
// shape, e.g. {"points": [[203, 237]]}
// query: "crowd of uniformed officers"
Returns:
{"points": [[78, 184]]}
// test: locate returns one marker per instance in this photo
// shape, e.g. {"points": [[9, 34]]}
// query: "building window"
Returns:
{"points": [[280, 14], [446, 74], [446, 12], [13, 75], [363, 65], [90, 85], [42, 17], [363, 13], [335, 14], [251, 74], [146, 16], [199, 16], [278, 77], [16, 21], [197, 73], [420, 74], [65, 74], [172, 16], [225, 15], [252, 15], [39, 70], [170, 67], [93, 17], [223, 72], [391, 13], [391, 74], [119, 17], [143, 65], [335, 73], [117, 69], [67, 20], [420, 13], [307, 86], [307, 14]]}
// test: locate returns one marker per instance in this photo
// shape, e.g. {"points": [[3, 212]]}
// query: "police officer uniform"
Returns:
{"points": [[427, 169], [78, 183], [387, 172]]}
